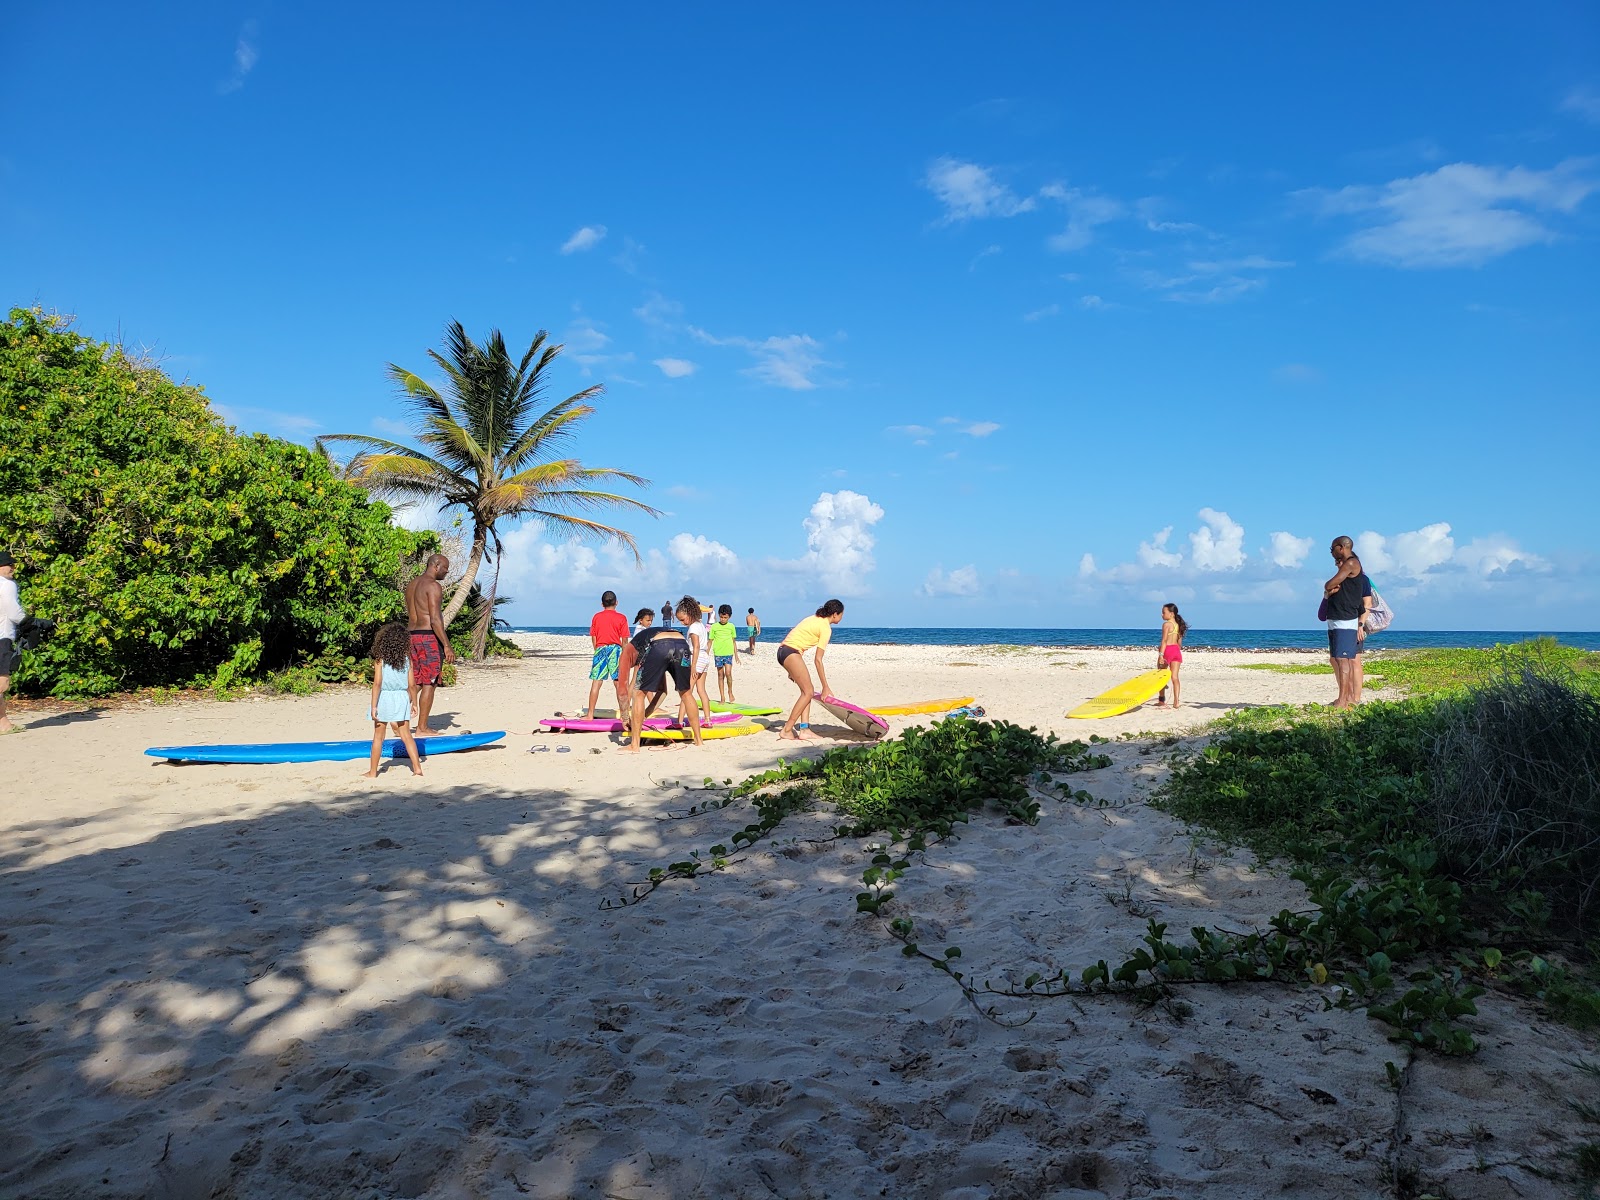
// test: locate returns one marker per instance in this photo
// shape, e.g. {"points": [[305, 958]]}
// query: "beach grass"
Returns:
{"points": [[1430, 671]]}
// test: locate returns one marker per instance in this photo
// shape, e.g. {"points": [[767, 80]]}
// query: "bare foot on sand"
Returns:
{"points": [[369, 775]]}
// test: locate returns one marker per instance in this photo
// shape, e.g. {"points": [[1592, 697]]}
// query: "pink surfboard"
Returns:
{"points": [[865, 723], [612, 725]]}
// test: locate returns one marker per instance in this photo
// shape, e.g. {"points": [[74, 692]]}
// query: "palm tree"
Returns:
{"points": [[488, 449]]}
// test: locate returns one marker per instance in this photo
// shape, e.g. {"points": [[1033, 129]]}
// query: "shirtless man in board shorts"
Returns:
{"points": [[430, 648]]}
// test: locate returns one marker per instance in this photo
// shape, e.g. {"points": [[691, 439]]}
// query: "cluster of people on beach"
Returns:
{"points": [[408, 662]]}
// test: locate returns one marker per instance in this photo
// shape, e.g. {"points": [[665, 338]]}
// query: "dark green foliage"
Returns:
{"points": [[170, 550], [462, 629], [928, 777]]}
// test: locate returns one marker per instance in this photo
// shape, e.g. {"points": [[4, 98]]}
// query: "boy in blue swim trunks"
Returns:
{"points": [[608, 629], [724, 639]]}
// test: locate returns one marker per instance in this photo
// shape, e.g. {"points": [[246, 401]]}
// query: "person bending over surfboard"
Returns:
{"points": [[429, 645], [662, 652], [812, 633], [1170, 653]]}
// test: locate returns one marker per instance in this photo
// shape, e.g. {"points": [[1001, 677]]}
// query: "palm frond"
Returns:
{"points": [[588, 530]]}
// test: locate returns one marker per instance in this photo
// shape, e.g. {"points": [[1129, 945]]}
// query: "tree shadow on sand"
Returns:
{"points": [[213, 973]]}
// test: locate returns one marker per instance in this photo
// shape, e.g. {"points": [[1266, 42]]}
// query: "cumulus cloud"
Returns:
{"points": [[981, 429], [969, 191], [1410, 554], [963, 581], [702, 559], [245, 56], [1288, 550], [1497, 555], [1432, 551], [586, 238], [1218, 545], [1154, 553], [1086, 566], [1461, 215], [675, 368], [839, 540]]}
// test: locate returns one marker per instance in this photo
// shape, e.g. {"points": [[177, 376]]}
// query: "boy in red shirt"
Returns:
{"points": [[608, 629]]}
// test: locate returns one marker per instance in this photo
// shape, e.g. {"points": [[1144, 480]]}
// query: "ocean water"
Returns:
{"points": [[1198, 639]]}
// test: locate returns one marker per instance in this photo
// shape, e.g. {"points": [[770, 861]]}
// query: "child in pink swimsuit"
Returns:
{"points": [[1170, 654]]}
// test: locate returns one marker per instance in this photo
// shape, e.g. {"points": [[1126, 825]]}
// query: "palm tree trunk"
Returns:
{"points": [[485, 621], [480, 539]]}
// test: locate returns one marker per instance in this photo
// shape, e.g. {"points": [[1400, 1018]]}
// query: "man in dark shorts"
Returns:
{"points": [[430, 648], [666, 615], [12, 614], [662, 653], [1347, 596]]}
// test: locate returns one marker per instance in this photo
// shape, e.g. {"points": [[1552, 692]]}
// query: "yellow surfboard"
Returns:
{"points": [[1124, 696], [920, 706], [709, 733]]}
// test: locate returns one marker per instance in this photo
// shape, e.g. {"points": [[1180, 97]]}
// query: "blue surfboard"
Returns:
{"points": [[303, 752]]}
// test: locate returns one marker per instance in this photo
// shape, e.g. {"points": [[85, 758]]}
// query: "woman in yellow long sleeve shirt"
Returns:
{"points": [[812, 633]]}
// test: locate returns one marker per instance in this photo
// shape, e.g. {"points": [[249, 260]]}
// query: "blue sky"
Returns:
{"points": [[1027, 319]]}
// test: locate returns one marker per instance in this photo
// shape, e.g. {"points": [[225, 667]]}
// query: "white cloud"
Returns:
{"points": [[839, 540], [1429, 551], [388, 425], [1086, 566], [969, 191], [660, 313], [1086, 211], [1091, 302], [584, 337], [586, 238], [267, 419], [912, 431], [1218, 545], [1154, 553], [533, 566], [1585, 102], [981, 429], [245, 56], [963, 581], [787, 361], [1460, 215], [1049, 310], [1288, 550], [1497, 554], [675, 368], [1409, 554], [1231, 288], [702, 559]]}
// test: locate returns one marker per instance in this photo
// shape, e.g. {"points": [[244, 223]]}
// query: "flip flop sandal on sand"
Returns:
{"points": [[538, 749], [563, 749]]}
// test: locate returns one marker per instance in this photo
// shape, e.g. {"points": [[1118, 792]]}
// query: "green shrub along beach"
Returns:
{"points": [[169, 550]]}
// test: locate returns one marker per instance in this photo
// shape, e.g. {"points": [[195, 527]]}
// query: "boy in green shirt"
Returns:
{"points": [[724, 639]]}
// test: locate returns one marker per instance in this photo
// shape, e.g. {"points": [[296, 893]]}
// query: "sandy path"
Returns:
{"points": [[286, 981]]}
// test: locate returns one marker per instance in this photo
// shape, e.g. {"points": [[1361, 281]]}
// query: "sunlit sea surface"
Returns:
{"points": [[1199, 639]]}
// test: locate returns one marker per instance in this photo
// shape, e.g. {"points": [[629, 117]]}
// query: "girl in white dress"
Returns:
{"points": [[394, 694]]}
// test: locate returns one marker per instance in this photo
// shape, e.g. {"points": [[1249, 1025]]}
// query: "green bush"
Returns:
{"points": [[170, 550]]}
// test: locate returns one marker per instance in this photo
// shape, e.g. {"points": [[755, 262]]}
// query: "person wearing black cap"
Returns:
{"points": [[11, 613]]}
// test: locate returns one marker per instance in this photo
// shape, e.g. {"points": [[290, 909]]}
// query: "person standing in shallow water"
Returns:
{"points": [[1169, 654], [813, 633], [666, 614]]}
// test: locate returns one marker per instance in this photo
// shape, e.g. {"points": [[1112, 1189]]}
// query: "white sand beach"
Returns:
{"points": [[289, 981]]}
